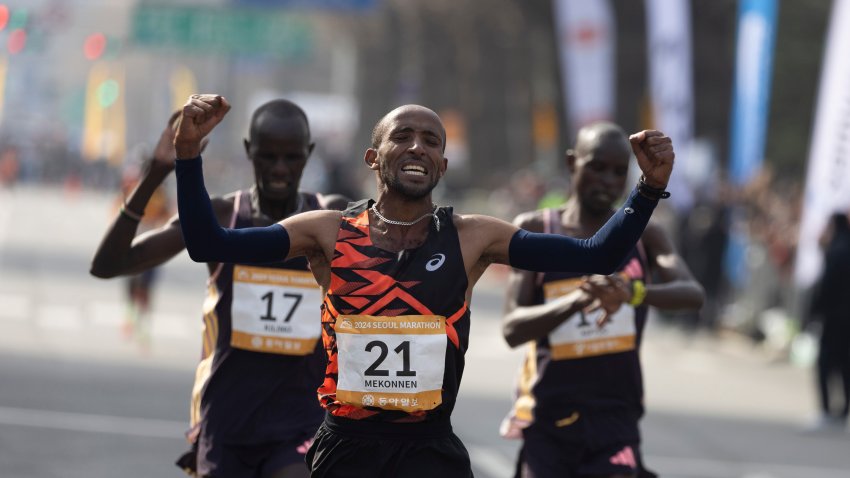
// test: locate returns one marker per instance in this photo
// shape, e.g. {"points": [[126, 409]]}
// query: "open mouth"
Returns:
{"points": [[278, 184], [414, 170]]}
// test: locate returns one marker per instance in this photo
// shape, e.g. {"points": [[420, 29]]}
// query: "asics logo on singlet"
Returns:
{"points": [[435, 263]]}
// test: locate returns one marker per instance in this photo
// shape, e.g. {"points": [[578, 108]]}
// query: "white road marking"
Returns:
{"points": [[106, 314], [83, 422], [170, 326], [95, 314], [54, 317], [15, 307]]}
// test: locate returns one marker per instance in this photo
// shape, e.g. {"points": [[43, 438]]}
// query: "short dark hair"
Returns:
{"points": [[597, 132], [279, 108], [378, 132]]}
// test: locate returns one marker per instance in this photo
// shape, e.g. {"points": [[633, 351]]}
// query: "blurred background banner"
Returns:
{"points": [[753, 69], [750, 100], [668, 24], [182, 83], [586, 44], [827, 187], [104, 126]]}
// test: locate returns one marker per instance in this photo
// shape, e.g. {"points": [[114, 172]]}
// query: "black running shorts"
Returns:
{"points": [[341, 455]]}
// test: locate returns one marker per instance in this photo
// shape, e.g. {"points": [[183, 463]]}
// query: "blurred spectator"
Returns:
{"points": [[830, 305], [763, 218], [703, 244]]}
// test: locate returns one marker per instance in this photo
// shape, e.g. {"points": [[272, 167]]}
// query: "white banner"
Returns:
{"points": [[668, 24], [586, 44], [828, 179]]}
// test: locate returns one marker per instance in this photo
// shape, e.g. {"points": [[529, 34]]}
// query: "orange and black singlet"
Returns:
{"points": [[395, 327]]}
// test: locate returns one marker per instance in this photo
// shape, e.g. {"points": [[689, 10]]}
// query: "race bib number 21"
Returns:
{"points": [[393, 363]]}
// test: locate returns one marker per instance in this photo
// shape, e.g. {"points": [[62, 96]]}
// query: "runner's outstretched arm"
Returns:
{"points": [[603, 252], [206, 240], [598, 254]]}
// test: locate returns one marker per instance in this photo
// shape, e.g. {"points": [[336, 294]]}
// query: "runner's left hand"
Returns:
{"points": [[610, 292], [654, 153]]}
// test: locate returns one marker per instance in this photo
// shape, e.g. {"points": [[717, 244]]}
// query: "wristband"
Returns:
{"points": [[638, 293], [133, 216], [649, 191]]}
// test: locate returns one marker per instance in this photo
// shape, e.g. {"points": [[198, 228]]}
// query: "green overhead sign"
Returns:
{"points": [[223, 31]]}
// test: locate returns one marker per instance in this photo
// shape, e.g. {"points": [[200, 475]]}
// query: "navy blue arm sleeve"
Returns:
{"points": [[600, 254], [206, 240]]}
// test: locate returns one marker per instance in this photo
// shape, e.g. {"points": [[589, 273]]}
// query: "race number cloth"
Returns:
{"points": [[393, 363], [272, 310], [580, 335]]}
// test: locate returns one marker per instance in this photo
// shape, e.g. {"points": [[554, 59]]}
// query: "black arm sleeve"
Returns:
{"points": [[600, 254], [206, 240]]}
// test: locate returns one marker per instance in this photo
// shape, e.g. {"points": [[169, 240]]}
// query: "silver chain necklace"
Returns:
{"points": [[407, 223]]}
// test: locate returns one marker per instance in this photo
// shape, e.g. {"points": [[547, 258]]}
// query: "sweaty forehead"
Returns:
{"points": [[417, 119]]}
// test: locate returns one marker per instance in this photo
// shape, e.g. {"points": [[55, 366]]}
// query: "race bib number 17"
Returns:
{"points": [[580, 336], [275, 310]]}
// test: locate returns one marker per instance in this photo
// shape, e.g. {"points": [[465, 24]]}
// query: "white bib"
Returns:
{"points": [[580, 336], [394, 363], [275, 310]]}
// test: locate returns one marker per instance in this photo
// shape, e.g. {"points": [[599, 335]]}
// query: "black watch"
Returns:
{"points": [[650, 192]]}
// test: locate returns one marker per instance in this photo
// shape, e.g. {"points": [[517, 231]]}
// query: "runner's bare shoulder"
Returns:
{"points": [[530, 221]]}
